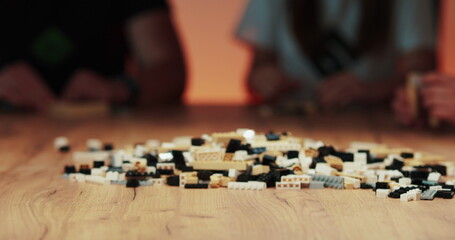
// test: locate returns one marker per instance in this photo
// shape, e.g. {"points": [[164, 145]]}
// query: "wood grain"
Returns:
{"points": [[35, 203]]}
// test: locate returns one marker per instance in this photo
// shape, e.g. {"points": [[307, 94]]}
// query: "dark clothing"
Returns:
{"points": [[58, 37]]}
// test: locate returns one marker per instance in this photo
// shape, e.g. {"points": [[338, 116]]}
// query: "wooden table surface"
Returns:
{"points": [[35, 203]]}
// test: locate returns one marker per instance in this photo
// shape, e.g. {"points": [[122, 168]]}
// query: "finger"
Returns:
{"points": [[336, 80], [438, 100], [434, 91], [336, 94], [435, 79]]}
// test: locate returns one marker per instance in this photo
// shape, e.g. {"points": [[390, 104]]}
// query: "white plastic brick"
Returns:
{"points": [[157, 181], [167, 166], [61, 142], [382, 193], [112, 176], [94, 144], [434, 177], [404, 181]]}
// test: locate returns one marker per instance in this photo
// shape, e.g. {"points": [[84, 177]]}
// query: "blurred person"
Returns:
{"points": [[119, 52], [437, 91], [335, 52]]}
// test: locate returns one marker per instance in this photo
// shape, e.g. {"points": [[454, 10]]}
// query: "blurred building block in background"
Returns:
{"points": [[79, 110]]}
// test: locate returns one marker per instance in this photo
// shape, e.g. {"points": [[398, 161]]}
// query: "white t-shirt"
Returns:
{"points": [[265, 25]]}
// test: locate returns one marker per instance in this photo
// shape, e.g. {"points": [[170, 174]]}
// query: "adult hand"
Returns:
{"points": [[439, 96], [341, 89], [402, 109], [270, 84], [21, 86], [86, 85]]}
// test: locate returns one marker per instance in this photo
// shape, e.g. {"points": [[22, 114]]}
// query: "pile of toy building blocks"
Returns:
{"points": [[246, 160]]}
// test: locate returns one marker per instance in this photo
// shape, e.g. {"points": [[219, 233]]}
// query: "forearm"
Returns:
{"points": [[157, 57], [267, 82], [419, 60], [161, 83]]}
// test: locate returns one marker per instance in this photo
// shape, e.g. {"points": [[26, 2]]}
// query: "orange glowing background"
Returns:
{"points": [[216, 61], [446, 51]]}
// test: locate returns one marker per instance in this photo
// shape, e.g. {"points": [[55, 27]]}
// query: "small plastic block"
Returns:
{"points": [[436, 187], [225, 181], [96, 180], [219, 165], [70, 169], [94, 145], [404, 181], [208, 155], [272, 136], [112, 176], [251, 185], [329, 181], [282, 185], [76, 177], [429, 194], [233, 145], [65, 148], [325, 169], [98, 164], [349, 185], [97, 172], [173, 181], [146, 183], [260, 169], [255, 185], [447, 194], [382, 193], [187, 177], [165, 171], [361, 157], [197, 141], [119, 182], [416, 194], [157, 181], [215, 180], [405, 197], [352, 181], [295, 185], [292, 154], [434, 177], [204, 175], [62, 144], [85, 170], [132, 183], [240, 155], [196, 185], [316, 184], [366, 186], [108, 147], [382, 185], [243, 177], [165, 166], [407, 155]]}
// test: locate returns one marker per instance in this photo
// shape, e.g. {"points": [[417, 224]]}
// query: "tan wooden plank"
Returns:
{"points": [[35, 203]]}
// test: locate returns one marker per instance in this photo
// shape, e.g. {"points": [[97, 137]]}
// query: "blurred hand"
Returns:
{"points": [[439, 96], [86, 85], [270, 84], [341, 89], [21, 86], [402, 110]]}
